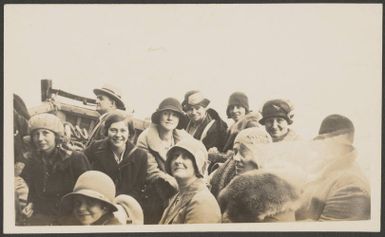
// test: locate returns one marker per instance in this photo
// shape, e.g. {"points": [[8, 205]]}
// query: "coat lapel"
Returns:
{"points": [[174, 208]]}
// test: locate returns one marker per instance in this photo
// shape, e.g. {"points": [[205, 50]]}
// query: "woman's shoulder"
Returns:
{"points": [[180, 134]]}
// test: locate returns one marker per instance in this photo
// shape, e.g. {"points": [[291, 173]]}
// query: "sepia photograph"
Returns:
{"points": [[192, 118]]}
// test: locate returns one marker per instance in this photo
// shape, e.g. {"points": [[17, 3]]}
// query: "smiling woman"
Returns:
{"points": [[118, 157], [187, 162]]}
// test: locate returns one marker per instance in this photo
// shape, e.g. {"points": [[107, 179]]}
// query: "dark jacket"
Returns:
{"points": [[212, 131], [49, 181], [250, 120], [222, 176], [129, 175]]}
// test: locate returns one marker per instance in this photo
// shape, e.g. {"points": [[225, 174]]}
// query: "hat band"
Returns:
{"points": [[111, 91], [195, 98]]}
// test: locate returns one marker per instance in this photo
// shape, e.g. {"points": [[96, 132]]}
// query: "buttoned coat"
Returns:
{"points": [[194, 205]]}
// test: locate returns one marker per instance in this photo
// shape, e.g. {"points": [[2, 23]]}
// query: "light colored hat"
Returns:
{"points": [[252, 136], [113, 93], [46, 121], [93, 184], [131, 207], [196, 149], [194, 98]]}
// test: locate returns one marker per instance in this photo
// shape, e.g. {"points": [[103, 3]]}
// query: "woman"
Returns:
{"points": [[163, 133], [245, 158], [277, 118], [51, 171], [91, 202], [194, 203], [117, 157], [238, 111]]}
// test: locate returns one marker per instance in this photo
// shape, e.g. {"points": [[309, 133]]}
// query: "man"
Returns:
{"points": [[338, 189], [108, 99], [204, 123], [277, 115]]}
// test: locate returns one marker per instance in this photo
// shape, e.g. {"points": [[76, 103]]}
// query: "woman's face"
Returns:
{"points": [[169, 120], [277, 127], [196, 113], [87, 210], [182, 166], [244, 159], [118, 134], [237, 112], [44, 140]]}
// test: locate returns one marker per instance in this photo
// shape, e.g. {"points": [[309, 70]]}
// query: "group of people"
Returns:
{"points": [[188, 166]]}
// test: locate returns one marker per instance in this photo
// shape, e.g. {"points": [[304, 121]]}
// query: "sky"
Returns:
{"points": [[324, 58]]}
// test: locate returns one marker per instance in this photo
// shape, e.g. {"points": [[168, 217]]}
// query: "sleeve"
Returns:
{"points": [[80, 164], [27, 176], [202, 209], [88, 152], [153, 171], [347, 202]]}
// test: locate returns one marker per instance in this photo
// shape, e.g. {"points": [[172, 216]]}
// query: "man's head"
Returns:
{"points": [[336, 125], [277, 116], [108, 99]]}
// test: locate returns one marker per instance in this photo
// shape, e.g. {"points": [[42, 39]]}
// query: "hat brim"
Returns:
{"points": [[119, 103], [67, 205], [284, 116], [182, 118], [204, 103]]}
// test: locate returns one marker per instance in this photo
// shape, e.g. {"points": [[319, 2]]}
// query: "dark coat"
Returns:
{"points": [[129, 175], [48, 183], [250, 120], [212, 131], [222, 176]]}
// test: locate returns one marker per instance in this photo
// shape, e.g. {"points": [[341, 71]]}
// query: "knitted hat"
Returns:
{"points": [[131, 207], [252, 136], [334, 125], [277, 108], [240, 99], [93, 184], [112, 93], [170, 104], [194, 98], [46, 121], [196, 149]]}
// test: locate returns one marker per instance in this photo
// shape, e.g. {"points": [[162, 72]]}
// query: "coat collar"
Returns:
{"points": [[105, 148], [154, 141], [180, 200]]}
